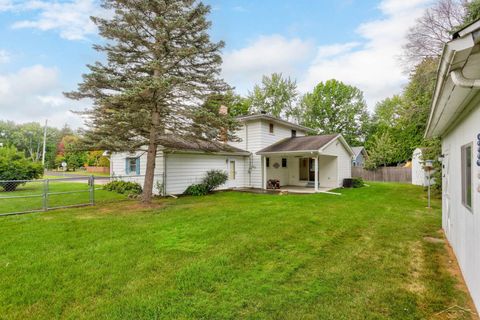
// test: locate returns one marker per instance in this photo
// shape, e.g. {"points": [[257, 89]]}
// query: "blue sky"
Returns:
{"points": [[45, 46]]}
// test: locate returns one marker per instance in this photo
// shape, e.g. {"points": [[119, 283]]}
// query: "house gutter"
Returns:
{"points": [[459, 80]]}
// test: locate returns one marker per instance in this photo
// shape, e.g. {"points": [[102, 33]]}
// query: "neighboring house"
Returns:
{"points": [[270, 148], [359, 156], [455, 118]]}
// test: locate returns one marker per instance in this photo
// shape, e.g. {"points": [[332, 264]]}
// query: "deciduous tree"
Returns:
{"points": [[335, 107]]}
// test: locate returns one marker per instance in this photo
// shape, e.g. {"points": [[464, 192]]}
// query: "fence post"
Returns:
{"points": [[45, 195], [92, 190]]}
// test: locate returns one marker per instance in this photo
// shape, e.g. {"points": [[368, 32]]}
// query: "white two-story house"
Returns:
{"points": [[270, 149]]}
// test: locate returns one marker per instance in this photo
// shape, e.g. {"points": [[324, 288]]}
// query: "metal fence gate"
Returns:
{"points": [[26, 196]]}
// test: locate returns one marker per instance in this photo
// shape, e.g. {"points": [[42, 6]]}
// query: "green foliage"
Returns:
{"points": [[14, 166], [212, 180], [123, 187], [223, 125], [357, 182], [335, 107], [381, 151], [275, 95], [160, 65], [403, 118], [96, 159], [432, 150], [473, 12], [196, 190]]}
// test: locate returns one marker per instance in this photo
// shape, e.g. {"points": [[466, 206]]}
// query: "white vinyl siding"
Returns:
{"points": [[344, 160], [461, 224], [255, 136], [186, 169]]}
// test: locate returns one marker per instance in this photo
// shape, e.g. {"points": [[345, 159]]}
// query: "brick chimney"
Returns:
{"points": [[223, 111]]}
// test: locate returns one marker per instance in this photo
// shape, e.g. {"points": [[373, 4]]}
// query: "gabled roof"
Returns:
{"points": [[304, 144], [262, 116], [458, 81], [357, 150], [194, 144]]}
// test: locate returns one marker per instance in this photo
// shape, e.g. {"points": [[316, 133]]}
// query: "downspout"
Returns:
{"points": [[459, 80]]}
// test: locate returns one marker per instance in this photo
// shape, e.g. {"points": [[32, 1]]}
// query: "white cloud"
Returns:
{"points": [[70, 19], [5, 5], [34, 94], [373, 65], [4, 56], [265, 55]]}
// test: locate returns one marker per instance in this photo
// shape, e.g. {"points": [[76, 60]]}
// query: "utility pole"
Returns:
{"points": [[44, 142]]}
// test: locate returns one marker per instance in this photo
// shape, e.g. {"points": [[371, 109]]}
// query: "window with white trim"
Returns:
{"points": [[467, 186]]}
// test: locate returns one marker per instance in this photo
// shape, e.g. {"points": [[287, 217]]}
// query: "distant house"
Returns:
{"points": [[455, 118], [359, 156], [270, 149]]}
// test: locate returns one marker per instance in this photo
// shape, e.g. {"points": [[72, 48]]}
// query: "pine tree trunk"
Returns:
{"points": [[151, 160]]}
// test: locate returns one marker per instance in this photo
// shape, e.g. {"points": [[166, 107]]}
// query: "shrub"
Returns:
{"points": [[123, 187], [212, 180], [14, 166], [357, 182], [196, 190]]}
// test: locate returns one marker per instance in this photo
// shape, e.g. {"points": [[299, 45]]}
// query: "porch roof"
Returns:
{"points": [[299, 144]]}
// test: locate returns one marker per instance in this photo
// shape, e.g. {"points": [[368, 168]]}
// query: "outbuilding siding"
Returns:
{"points": [[462, 225]]}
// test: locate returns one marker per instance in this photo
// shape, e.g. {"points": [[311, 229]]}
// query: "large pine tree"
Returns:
{"points": [[160, 67]]}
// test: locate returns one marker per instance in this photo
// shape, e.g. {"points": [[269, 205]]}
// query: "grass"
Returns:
{"points": [[29, 196], [232, 255]]}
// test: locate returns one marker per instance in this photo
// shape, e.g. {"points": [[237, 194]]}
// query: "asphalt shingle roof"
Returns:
{"points": [[307, 143]]}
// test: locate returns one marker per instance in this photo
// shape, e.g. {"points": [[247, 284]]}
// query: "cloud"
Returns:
{"points": [[34, 94], [239, 9], [265, 55], [70, 19], [373, 63], [4, 56]]}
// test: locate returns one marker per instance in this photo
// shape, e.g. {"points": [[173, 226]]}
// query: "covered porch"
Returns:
{"points": [[300, 172]]}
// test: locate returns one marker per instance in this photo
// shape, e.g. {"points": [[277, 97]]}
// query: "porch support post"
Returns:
{"points": [[316, 174], [264, 160]]}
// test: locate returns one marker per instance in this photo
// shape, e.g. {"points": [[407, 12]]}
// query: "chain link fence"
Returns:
{"points": [[26, 196]]}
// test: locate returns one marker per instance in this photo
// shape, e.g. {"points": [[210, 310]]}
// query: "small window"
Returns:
{"points": [[467, 176], [133, 166], [268, 162], [294, 133], [231, 174], [271, 128], [284, 162]]}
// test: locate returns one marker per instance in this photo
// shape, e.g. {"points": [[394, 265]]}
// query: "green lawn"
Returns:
{"points": [[29, 196], [361, 255]]}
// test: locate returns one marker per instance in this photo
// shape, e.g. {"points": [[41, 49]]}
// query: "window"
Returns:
{"points": [[231, 173], [284, 162], [294, 133], [467, 176], [268, 162], [271, 128], [132, 166]]}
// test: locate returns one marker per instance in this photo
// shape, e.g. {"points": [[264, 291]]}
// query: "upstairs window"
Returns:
{"points": [[467, 176], [271, 128], [294, 133], [284, 162]]}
